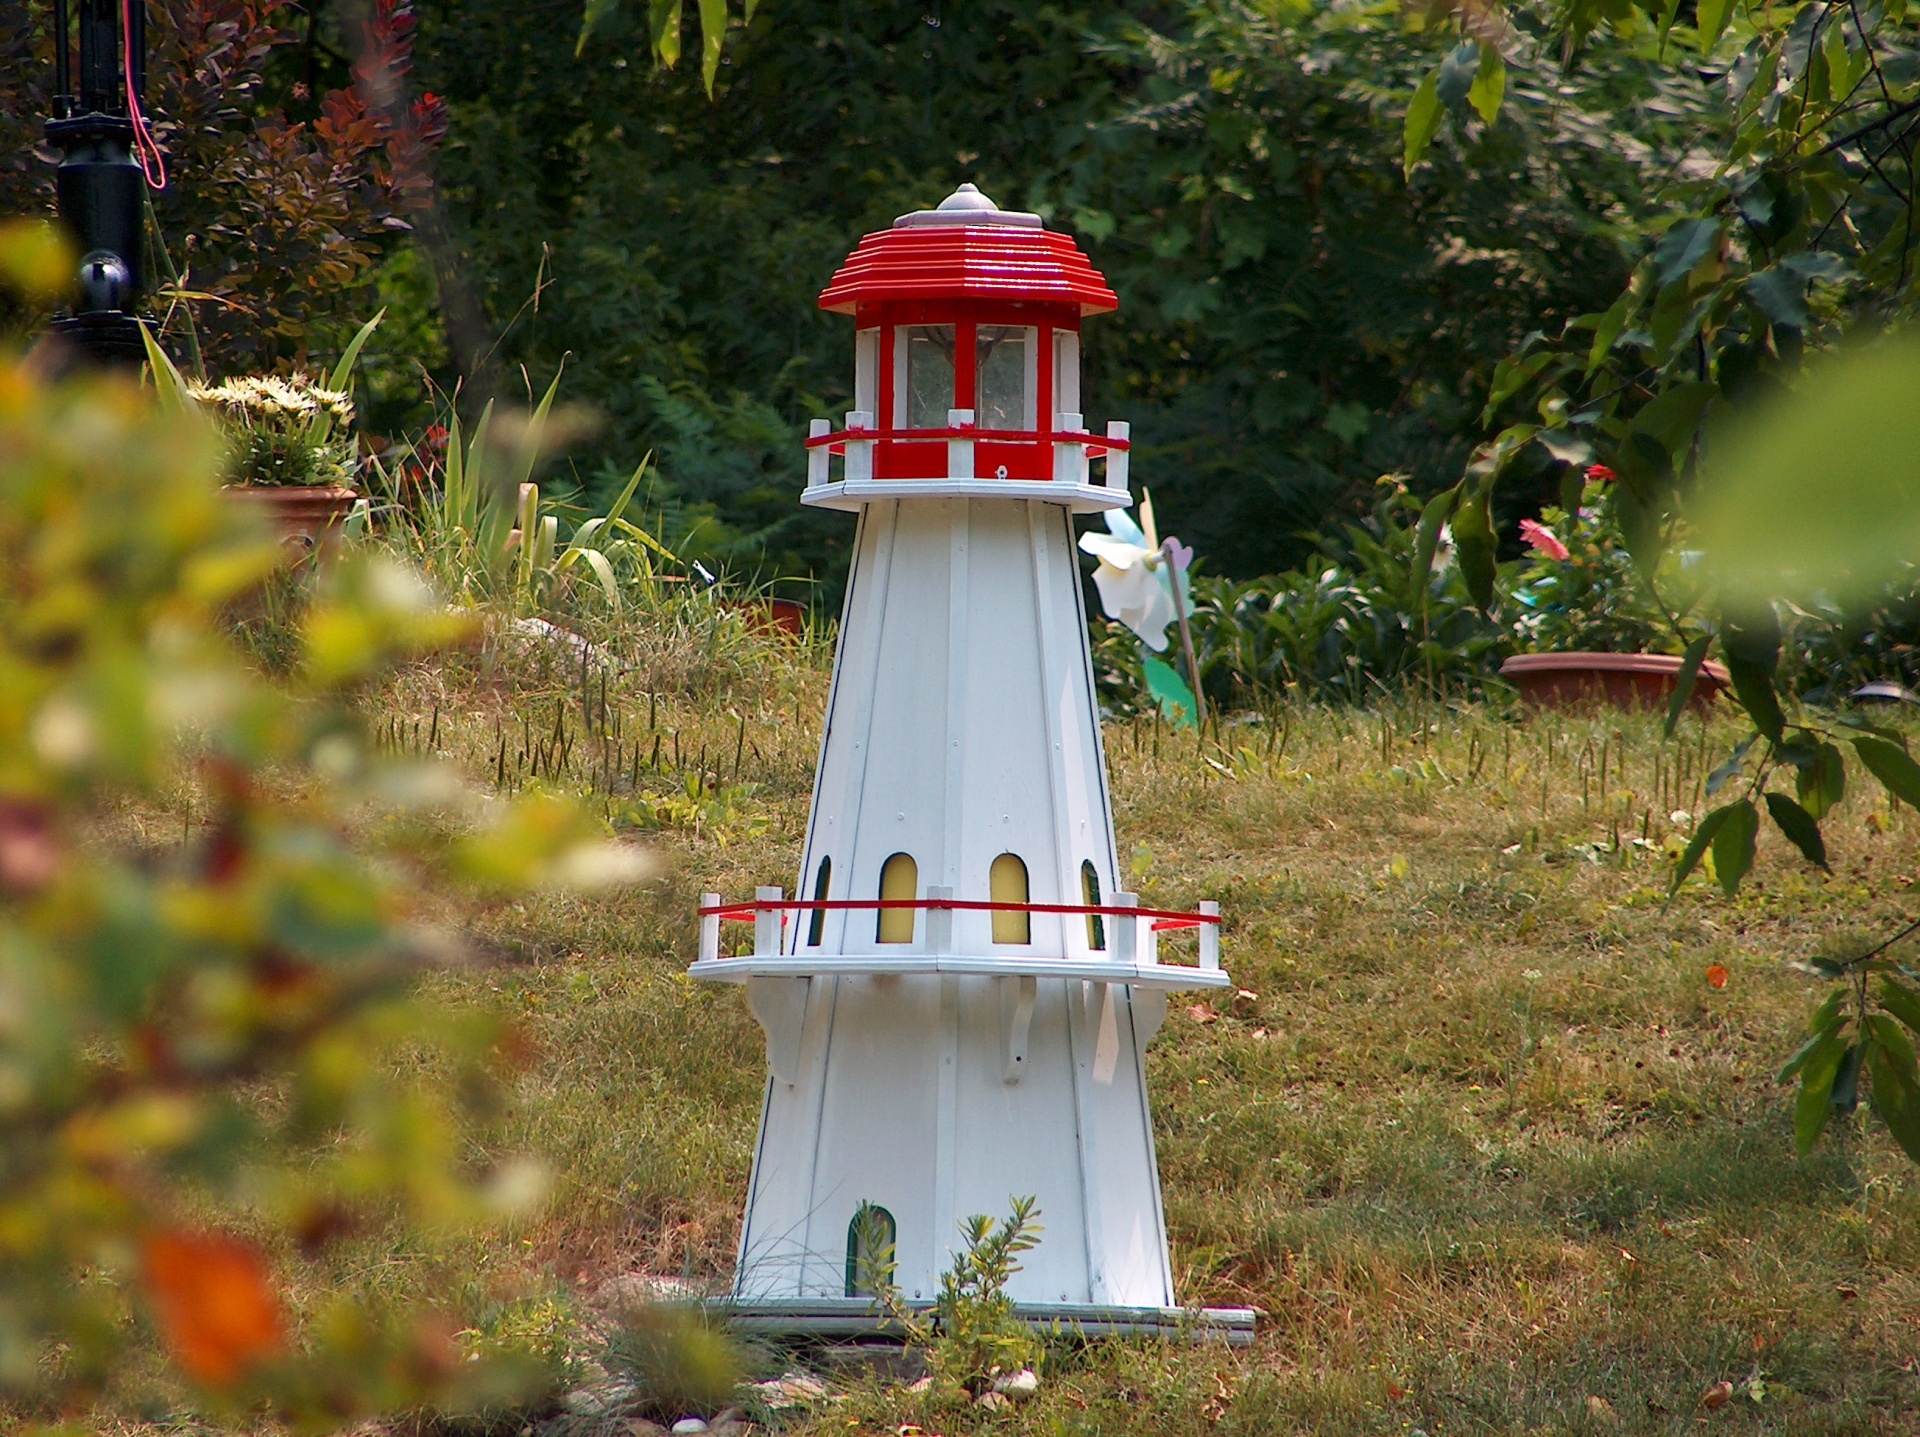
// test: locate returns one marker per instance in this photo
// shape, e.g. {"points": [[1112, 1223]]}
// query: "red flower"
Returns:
{"points": [[1602, 473], [1541, 539]]}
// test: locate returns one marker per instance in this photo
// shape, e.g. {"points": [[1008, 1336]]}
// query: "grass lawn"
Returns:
{"points": [[1487, 1148]]}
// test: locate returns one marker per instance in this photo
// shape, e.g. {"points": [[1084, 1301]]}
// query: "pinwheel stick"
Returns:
{"points": [[1171, 549]]}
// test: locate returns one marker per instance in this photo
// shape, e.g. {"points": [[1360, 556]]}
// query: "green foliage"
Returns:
{"points": [[973, 1336], [1292, 324], [202, 1026], [1800, 230], [679, 1362]]}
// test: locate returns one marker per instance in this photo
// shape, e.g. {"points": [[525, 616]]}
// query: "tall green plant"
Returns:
{"points": [[204, 1026]]}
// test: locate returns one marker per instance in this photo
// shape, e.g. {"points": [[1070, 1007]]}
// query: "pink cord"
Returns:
{"points": [[153, 164]]}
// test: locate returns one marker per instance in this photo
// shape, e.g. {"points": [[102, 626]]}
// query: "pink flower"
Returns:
{"points": [[1541, 539], [1602, 473]]}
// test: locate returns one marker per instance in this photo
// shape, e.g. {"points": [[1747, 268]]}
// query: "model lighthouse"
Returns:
{"points": [[958, 998]]}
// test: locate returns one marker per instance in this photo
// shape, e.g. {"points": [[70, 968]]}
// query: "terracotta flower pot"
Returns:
{"points": [[1578, 680], [308, 518]]}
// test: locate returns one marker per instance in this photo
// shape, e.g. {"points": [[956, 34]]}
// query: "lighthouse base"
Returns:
{"points": [[849, 1319]]}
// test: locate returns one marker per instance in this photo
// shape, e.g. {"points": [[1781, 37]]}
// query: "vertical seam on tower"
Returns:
{"points": [[855, 790], [1086, 1144]]}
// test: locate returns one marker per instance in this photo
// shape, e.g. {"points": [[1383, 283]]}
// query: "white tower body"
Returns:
{"points": [[934, 1062]]}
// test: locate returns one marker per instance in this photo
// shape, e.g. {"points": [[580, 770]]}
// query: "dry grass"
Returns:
{"points": [[1487, 1148]]}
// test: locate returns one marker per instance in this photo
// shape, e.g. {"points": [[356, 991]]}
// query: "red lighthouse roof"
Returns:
{"points": [[968, 248]]}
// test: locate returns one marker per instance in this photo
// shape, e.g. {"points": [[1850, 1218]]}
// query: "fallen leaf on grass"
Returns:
{"points": [[217, 1310], [1395, 1390], [1601, 1410], [1202, 1013], [1717, 1395], [1716, 976]]}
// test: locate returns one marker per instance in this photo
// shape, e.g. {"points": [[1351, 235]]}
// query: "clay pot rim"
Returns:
{"points": [[1585, 661], [305, 491]]}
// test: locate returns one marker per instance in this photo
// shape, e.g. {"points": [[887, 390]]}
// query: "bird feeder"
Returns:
{"points": [[958, 999]]}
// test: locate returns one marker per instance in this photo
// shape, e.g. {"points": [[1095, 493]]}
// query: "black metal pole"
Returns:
{"points": [[62, 79], [99, 184]]}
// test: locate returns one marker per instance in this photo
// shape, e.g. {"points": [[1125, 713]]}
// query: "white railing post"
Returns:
{"points": [[766, 922], [1069, 458], [940, 922], [817, 457], [960, 451], [1125, 928], [1149, 942], [709, 927], [859, 463], [1209, 936], [1117, 458]]}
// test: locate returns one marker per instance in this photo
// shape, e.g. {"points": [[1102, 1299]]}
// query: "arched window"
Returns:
{"points": [[870, 1260], [1007, 883], [1096, 930], [899, 880], [817, 924]]}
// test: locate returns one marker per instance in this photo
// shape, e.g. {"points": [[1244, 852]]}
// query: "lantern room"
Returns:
{"points": [[967, 358]]}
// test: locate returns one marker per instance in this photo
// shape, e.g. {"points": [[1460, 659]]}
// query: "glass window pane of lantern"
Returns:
{"points": [[929, 375], [1001, 363]]}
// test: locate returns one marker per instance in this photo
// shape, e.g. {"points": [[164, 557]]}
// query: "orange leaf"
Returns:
{"points": [[1717, 1395], [218, 1312], [1716, 976]]}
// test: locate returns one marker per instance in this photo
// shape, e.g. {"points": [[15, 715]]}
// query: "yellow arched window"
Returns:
{"points": [[899, 879], [1007, 883]]}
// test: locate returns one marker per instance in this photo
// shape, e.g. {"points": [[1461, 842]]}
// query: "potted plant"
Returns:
{"points": [[1590, 627], [291, 453]]}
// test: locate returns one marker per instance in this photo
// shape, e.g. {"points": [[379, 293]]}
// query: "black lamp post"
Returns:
{"points": [[99, 181]]}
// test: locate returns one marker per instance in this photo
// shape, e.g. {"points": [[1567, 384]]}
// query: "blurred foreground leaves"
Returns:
{"points": [[212, 1058]]}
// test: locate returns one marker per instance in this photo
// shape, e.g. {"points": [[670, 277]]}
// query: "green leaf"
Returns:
{"points": [[1781, 296], [1696, 848], [664, 21], [1453, 81], [1823, 782], [590, 17], [1753, 686], [1901, 1001], [1675, 414], [1683, 685], [1750, 514], [1426, 538], [1815, 1104], [168, 382], [342, 376], [1751, 635], [1800, 828], [1609, 326], [1845, 1096], [1710, 21], [713, 31], [1733, 845], [1889, 763], [1422, 124], [1489, 83], [1728, 771], [1895, 1091], [1682, 247], [1825, 1027], [1474, 545]]}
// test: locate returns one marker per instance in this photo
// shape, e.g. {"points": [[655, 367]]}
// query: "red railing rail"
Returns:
{"points": [[1096, 443], [745, 911], [770, 912]]}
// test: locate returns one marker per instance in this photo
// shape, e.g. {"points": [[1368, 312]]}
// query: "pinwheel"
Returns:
{"points": [[1143, 585]]}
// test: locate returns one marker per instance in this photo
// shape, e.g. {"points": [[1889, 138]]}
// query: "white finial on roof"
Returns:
{"points": [[967, 206]]}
